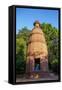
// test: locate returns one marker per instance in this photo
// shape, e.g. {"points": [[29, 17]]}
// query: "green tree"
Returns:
{"points": [[51, 35], [21, 46]]}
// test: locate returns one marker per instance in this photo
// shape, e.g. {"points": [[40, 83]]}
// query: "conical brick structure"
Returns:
{"points": [[37, 53]]}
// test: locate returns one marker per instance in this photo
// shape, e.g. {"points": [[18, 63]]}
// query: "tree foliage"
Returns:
{"points": [[51, 35], [21, 46]]}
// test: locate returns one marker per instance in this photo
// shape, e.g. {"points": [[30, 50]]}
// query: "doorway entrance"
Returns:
{"points": [[37, 64]]}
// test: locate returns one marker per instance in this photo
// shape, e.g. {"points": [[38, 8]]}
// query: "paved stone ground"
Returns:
{"points": [[50, 77]]}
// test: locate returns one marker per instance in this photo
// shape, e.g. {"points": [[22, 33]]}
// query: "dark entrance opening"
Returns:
{"points": [[37, 64]]}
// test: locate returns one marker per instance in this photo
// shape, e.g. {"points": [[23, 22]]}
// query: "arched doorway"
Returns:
{"points": [[37, 64]]}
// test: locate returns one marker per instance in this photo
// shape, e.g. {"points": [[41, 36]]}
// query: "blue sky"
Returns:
{"points": [[25, 17]]}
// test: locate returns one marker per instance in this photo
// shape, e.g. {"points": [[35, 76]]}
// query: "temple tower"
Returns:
{"points": [[37, 53]]}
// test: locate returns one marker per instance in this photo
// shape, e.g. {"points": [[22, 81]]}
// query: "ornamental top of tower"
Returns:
{"points": [[36, 24]]}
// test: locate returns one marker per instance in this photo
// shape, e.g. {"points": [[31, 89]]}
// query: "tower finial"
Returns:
{"points": [[36, 23]]}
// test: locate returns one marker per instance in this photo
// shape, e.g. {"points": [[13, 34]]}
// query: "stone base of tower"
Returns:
{"points": [[32, 73]]}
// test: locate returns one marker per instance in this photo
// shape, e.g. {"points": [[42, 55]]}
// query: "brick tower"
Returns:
{"points": [[37, 53]]}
